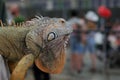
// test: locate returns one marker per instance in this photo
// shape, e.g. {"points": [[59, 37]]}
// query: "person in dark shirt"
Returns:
{"points": [[2, 11], [40, 75]]}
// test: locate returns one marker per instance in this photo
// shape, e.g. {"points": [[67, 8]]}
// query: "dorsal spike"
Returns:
{"points": [[14, 23], [17, 25], [1, 23], [38, 17], [20, 25]]}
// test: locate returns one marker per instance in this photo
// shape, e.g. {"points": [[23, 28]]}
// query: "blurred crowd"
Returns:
{"points": [[88, 37], [82, 39]]}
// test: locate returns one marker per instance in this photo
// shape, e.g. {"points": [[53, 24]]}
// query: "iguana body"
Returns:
{"points": [[42, 43], [12, 42]]}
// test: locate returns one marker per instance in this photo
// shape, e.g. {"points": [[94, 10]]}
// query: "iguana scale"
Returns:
{"points": [[42, 42]]}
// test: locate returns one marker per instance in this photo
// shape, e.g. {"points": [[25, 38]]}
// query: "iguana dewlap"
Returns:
{"points": [[42, 42]]}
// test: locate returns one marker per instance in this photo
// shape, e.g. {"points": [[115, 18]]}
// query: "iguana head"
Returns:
{"points": [[47, 40]]}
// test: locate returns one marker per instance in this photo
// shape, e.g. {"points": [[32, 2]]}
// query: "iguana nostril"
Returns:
{"points": [[62, 21]]}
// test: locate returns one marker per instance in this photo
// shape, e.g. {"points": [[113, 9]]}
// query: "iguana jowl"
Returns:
{"points": [[42, 42]]}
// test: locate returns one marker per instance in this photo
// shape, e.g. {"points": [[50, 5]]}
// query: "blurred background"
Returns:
{"points": [[93, 51], [62, 8]]}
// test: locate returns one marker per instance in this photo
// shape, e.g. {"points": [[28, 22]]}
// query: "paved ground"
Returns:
{"points": [[85, 75]]}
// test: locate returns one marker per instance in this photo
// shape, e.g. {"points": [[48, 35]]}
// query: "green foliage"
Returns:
{"points": [[19, 19]]}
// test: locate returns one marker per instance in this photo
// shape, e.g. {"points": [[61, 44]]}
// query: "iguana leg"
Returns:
{"points": [[22, 67]]}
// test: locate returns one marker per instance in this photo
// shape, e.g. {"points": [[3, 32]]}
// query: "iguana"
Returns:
{"points": [[42, 42]]}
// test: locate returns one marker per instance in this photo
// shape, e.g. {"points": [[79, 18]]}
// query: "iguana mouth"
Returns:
{"points": [[66, 39]]}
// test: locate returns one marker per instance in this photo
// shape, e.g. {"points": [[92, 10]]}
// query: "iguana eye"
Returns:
{"points": [[51, 36]]}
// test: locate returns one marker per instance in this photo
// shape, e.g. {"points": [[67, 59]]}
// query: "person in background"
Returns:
{"points": [[76, 60], [75, 50], [14, 16], [82, 41], [114, 46], [99, 42], [2, 11], [114, 37], [91, 19], [4, 71], [40, 75], [74, 19]]}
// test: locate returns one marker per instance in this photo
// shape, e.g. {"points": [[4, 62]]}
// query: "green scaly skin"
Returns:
{"points": [[12, 42]]}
